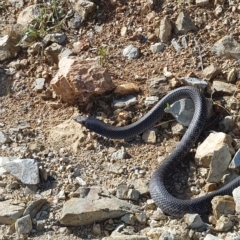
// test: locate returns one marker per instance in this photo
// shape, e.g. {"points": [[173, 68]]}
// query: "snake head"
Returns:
{"points": [[81, 119]]}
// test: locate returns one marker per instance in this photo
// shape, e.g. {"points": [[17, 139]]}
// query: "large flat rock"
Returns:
{"points": [[94, 206]]}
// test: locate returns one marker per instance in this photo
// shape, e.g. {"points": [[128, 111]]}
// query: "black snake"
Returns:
{"points": [[159, 194]]}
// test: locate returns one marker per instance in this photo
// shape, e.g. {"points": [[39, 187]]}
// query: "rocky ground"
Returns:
{"points": [[114, 60]]}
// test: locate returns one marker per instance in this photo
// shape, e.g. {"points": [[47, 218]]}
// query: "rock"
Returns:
{"points": [[3, 138], [69, 133], [76, 21], [151, 100], [168, 235], [23, 225], [227, 124], [59, 38], [211, 237], [141, 217], [81, 80], [40, 225], [26, 170], [211, 145], [128, 219], [35, 48], [211, 71], [220, 86], [9, 213], [120, 154], [93, 207], [184, 24], [126, 101], [8, 48], [158, 215], [123, 31], [28, 14], [125, 89], [61, 195], [150, 205], [177, 129], [157, 86], [149, 136], [236, 160], [34, 207], [156, 47], [133, 194], [223, 205], [194, 221], [83, 7], [226, 47], [131, 52], [122, 191], [209, 187], [183, 111], [81, 182], [52, 52], [165, 31], [155, 233], [223, 224], [176, 45], [96, 229], [219, 164], [120, 236], [195, 82], [236, 197], [202, 3], [232, 76], [65, 53], [141, 185], [39, 84]]}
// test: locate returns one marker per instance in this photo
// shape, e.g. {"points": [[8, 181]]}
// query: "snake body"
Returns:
{"points": [[158, 191]]}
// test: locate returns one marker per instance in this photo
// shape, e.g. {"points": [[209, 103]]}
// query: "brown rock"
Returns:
{"points": [[211, 71], [127, 88], [223, 205], [209, 187], [69, 133], [80, 79]]}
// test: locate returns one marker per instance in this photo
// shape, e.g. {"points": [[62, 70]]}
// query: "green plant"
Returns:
{"points": [[102, 57], [48, 20]]}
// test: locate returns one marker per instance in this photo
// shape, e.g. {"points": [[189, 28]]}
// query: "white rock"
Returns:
{"points": [[223, 224], [128, 219], [151, 100], [168, 235], [26, 170], [193, 221], [202, 2], [156, 47], [236, 197], [80, 181], [149, 136], [9, 213], [131, 52], [61, 195], [211, 237], [219, 164], [23, 225], [158, 215], [212, 144], [120, 154]]}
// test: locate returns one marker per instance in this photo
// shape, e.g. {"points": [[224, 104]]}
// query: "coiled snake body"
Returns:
{"points": [[158, 191]]}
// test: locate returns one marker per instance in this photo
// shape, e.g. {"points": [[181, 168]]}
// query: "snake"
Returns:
{"points": [[168, 203]]}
